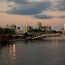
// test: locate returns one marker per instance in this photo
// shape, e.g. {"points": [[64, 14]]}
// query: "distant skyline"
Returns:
{"points": [[29, 12]]}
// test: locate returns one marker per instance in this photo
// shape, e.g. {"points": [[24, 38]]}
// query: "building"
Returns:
{"points": [[13, 26], [39, 25], [17, 29], [47, 29], [64, 27], [24, 29]]}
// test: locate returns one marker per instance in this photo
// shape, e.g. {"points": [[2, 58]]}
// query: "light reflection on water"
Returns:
{"points": [[12, 53], [8, 53], [55, 42], [36, 52]]}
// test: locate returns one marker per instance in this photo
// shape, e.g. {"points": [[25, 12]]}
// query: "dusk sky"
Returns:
{"points": [[29, 12]]}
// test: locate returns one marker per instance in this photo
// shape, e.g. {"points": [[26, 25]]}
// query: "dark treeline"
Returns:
{"points": [[6, 31]]}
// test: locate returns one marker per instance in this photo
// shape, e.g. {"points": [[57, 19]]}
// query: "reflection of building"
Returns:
{"points": [[12, 53]]}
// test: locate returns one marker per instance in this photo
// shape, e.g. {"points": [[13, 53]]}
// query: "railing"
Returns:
{"points": [[47, 35]]}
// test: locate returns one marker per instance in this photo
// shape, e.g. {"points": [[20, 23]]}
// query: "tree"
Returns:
{"points": [[8, 31], [26, 34], [54, 31], [1, 30]]}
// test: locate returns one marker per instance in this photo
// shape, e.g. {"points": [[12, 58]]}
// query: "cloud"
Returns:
{"points": [[35, 7], [30, 9], [43, 16], [4, 6], [61, 17], [16, 1], [60, 5]]}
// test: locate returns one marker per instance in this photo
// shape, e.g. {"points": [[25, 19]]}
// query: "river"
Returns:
{"points": [[50, 51]]}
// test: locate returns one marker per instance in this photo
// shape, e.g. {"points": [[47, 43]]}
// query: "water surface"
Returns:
{"points": [[37, 52]]}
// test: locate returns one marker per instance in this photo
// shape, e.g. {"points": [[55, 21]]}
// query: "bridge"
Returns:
{"points": [[20, 37], [47, 35]]}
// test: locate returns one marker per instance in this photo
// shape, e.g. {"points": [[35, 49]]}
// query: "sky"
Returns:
{"points": [[30, 12]]}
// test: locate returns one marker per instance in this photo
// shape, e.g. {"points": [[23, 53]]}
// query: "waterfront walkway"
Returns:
{"points": [[47, 35], [20, 37]]}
